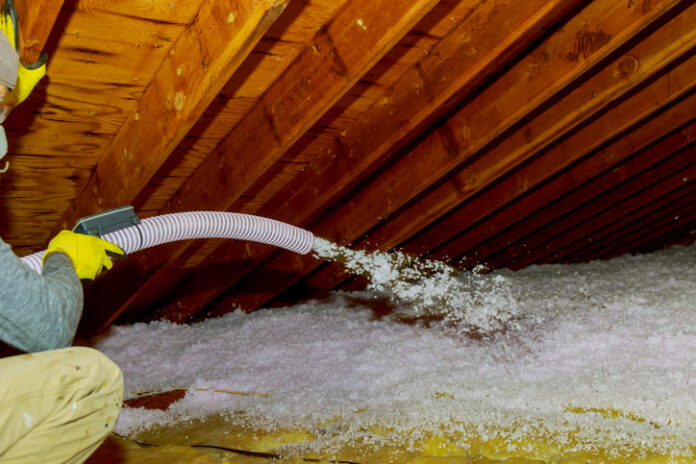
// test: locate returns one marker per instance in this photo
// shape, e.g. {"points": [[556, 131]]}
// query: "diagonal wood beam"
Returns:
{"points": [[646, 219], [625, 199], [569, 150], [680, 232], [597, 186], [641, 106], [198, 65], [339, 55], [603, 169], [603, 161], [632, 224], [678, 223], [471, 129], [481, 43], [36, 20], [620, 201], [637, 65]]}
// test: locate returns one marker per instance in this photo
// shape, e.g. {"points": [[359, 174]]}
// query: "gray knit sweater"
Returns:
{"points": [[38, 312]]}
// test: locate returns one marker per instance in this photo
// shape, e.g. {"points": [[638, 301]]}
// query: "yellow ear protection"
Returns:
{"points": [[19, 77], [28, 75]]}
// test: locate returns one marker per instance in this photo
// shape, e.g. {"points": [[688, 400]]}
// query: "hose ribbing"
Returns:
{"points": [[202, 224]]}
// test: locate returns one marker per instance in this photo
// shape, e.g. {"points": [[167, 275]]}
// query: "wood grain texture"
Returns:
{"points": [[519, 228], [471, 129], [280, 46], [36, 19], [565, 152], [457, 63], [99, 66], [521, 217], [196, 68], [509, 132], [342, 52], [574, 108]]}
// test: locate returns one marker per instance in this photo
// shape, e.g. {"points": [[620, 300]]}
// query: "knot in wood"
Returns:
{"points": [[628, 65]]}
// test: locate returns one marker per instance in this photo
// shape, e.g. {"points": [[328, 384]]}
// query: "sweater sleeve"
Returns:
{"points": [[38, 312]]}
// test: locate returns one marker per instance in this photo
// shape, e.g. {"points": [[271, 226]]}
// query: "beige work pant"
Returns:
{"points": [[57, 406]]}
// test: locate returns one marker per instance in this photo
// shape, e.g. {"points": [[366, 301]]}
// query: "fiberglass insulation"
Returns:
{"points": [[603, 353]]}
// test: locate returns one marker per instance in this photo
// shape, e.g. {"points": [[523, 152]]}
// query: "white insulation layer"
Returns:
{"points": [[202, 224]]}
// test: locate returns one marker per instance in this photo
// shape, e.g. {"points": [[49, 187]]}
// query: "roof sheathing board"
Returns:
{"points": [[102, 58]]}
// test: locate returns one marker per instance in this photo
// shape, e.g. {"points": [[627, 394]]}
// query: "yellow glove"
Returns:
{"points": [[88, 254]]}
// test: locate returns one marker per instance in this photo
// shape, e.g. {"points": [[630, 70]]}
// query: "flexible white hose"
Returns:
{"points": [[202, 224]]}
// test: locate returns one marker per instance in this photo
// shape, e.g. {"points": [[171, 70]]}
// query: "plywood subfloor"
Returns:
{"points": [[216, 440]]}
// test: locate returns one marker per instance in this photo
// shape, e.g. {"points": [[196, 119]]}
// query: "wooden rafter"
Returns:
{"points": [[569, 150], [339, 55], [199, 64], [520, 218], [514, 242], [450, 69], [631, 226], [503, 133], [36, 19], [525, 87], [679, 223], [640, 216], [529, 226], [603, 89], [620, 201], [593, 245]]}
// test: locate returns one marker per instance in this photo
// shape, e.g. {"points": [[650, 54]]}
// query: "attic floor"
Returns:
{"points": [[217, 441]]}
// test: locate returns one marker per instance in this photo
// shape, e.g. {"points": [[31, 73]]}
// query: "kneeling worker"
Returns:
{"points": [[57, 403]]}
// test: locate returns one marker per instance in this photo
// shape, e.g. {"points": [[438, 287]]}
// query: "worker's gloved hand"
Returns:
{"points": [[88, 254]]}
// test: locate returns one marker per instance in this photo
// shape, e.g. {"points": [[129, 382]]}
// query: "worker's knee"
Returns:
{"points": [[75, 372], [96, 364], [95, 374], [59, 403]]}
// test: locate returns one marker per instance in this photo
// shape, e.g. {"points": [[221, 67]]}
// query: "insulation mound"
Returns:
{"points": [[598, 357]]}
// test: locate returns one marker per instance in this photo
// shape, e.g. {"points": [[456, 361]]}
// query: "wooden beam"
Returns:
{"points": [[615, 235], [478, 46], [574, 251], [339, 55], [603, 89], [620, 201], [682, 237], [527, 215], [563, 154], [470, 131], [199, 64], [490, 253], [36, 19], [683, 230], [651, 237], [520, 218], [332, 275]]}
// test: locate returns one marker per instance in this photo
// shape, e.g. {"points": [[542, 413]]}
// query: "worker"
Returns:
{"points": [[57, 403]]}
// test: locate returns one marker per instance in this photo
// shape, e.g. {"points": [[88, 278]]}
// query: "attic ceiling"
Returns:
{"points": [[504, 132]]}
